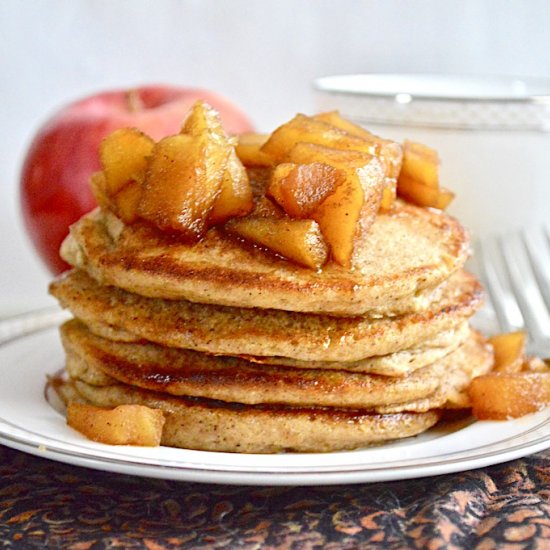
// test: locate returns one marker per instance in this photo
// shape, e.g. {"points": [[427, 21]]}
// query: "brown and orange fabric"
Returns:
{"points": [[47, 504]]}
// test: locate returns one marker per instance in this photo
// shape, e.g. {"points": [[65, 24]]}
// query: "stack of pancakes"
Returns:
{"points": [[244, 351]]}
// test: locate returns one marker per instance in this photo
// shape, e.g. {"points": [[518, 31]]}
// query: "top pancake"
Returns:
{"points": [[403, 258]]}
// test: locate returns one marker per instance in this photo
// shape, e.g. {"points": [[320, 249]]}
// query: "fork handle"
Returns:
{"points": [[32, 321]]}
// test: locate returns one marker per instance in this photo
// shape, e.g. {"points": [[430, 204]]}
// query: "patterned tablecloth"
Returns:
{"points": [[48, 504]]}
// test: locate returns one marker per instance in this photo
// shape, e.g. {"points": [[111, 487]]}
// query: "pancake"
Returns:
{"points": [[189, 373], [400, 363], [225, 427], [453, 390], [405, 256], [260, 332]]}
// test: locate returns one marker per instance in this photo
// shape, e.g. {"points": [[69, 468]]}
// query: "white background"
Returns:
{"points": [[262, 55]]}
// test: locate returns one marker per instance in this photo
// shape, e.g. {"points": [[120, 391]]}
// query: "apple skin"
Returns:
{"points": [[54, 183]]}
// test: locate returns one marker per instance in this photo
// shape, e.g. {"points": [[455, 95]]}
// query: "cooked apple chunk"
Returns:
{"points": [[98, 184], [124, 155], [235, 198], [249, 150], [309, 130], [182, 182], [509, 351], [276, 182], [123, 203], [126, 201], [389, 195], [300, 188], [300, 241], [123, 425], [334, 118], [266, 208], [339, 218], [390, 152], [420, 163], [502, 395], [423, 195], [203, 118], [418, 181], [347, 213], [330, 130]]}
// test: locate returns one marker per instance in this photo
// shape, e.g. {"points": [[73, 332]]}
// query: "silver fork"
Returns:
{"points": [[515, 268], [29, 322]]}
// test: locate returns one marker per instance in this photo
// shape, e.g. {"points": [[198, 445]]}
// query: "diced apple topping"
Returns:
{"points": [[203, 118], [390, 152], [331, 130], [195, 179], [123, 203], [249, 150], [182, 183], [309, 190], [124, 155], [423, 195], [98, 185], [304, 129], [335, 119], [235, 198], [298, 240], [300, 188], [126, 201], [266, 208], [418, 181], [421, 163], [348, 212]]}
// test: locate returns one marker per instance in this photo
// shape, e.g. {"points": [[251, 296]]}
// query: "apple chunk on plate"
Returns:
{"points": [[123, 425], [502, 395], [298, 240], [509, 349]]}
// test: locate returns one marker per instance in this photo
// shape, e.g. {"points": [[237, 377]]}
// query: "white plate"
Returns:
{"points": [[29, 423]]}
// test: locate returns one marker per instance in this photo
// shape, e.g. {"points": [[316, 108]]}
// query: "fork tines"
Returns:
{"points": [[515, 268]]}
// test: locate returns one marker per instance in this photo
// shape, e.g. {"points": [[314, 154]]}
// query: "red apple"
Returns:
{"points": [[54, 184]]}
